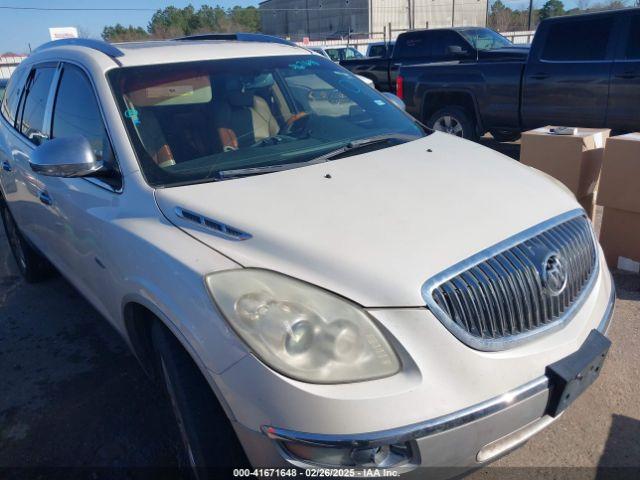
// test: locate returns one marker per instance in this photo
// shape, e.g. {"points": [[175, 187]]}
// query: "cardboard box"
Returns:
{"points": [[620, 239], [620, 180], [575, 160], [589, 204]]}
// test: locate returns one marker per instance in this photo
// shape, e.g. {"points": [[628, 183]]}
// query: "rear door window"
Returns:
{"points": [[578, 40], [632, 50], [415, 46], [377, 51], [12, 95], [34, 104]]}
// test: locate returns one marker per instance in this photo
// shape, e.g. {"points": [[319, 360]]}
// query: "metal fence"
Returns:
{"points": [[519, 37], [8, 64]]}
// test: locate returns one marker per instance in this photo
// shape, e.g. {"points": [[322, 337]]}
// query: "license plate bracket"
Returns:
{"points": [[572, 375]]}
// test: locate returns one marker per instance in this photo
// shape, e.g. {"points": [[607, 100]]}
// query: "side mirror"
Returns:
{"points": [[65, 157], [397, 101], [456, 51]]}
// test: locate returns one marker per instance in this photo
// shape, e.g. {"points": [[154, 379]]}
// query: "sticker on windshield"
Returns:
{"points": [[132, 113], [303, 64]]}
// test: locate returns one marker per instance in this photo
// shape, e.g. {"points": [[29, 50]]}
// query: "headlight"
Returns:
{"points": [[300, 330]]}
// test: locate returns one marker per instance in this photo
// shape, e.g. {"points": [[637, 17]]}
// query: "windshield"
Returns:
{"points": [[190, 121], [485, 39], [3, 87]]}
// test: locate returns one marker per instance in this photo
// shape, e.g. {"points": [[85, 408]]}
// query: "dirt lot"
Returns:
{"points": [[72, 396]]}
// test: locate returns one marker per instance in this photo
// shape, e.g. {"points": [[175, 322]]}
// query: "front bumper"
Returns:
{"points": [[452, 443]]}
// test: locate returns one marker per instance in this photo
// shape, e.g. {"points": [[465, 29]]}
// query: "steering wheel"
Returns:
{"points": [[295, 124]]}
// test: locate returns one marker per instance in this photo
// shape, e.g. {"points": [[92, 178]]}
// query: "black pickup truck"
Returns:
{"points": [[581, 70], [437, 45]]}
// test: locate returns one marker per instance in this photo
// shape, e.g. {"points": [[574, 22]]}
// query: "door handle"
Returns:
{"points": [[6, 166], [45, 198], [626, 75], [539, 76]]}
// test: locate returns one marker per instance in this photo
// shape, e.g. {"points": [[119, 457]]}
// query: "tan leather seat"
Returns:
{"points": [[244, 119], [264, 123]]}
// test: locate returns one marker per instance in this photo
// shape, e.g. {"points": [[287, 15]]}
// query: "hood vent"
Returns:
{"points": [[213, 226]]}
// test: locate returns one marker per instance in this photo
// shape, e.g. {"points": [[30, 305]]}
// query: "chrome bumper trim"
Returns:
{"points": [[603, 326], [436, 425], [418, 430]]}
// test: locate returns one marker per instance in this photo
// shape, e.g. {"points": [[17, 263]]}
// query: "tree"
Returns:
{"points": [[615, 5], [120, 33], [171, 22], [248, 19], [501, 16], [583, 4], [552, 8]]}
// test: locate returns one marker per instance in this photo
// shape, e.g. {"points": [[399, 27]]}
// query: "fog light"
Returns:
{"points": [[385, 456]]}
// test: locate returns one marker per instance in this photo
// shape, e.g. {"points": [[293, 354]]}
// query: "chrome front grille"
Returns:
{"points": [[514, 290]]}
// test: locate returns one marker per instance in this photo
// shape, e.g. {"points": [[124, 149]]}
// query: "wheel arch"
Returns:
{"points": [[434, 100], [139, 316]]}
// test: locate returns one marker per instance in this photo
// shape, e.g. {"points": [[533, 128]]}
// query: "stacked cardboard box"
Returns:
{"points": [[575, 160], [619, 193]]}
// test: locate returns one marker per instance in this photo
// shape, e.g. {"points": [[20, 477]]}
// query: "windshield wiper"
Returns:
{"points": [[249, 171], [350, 147], [355, 145]]}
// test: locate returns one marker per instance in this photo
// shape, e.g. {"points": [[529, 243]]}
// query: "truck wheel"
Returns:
{"points": [[455, 121], [32, 266], [211, 445], [505, 135]]}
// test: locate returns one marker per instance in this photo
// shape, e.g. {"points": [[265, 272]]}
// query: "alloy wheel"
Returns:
{"points": [[449, 124]]}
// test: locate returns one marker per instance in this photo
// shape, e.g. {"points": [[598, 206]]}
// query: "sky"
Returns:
{"points": [[23, 27]]}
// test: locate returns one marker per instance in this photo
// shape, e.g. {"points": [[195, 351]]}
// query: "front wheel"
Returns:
{"points": [[32, 266], [455, 121], [505, 135], [211, 444]]}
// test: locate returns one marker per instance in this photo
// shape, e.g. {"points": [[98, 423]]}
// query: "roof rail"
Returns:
{"points": [[240, 36], [98, 45]]}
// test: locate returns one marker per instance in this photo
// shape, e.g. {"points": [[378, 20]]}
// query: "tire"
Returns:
{"points": [[505, 135], [454, 120], [32, 266], [211, 446]]}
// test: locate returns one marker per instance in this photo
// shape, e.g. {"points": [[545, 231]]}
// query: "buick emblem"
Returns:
{"points": [[554, 274]]}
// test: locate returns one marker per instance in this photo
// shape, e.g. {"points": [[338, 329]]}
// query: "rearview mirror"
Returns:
{"points": [[65, 157], [397, 101]]}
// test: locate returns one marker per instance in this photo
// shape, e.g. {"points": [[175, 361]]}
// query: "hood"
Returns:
{"points": [[517, 52], [376, 226]]}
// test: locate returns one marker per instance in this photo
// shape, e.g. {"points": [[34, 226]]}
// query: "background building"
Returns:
{"points": [[330, 19]]}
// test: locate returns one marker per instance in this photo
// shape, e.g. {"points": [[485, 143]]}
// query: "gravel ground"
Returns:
{"points": [[72, 396]]}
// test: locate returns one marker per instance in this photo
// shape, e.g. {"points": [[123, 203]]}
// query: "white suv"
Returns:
{"points": [[317, 280]]}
